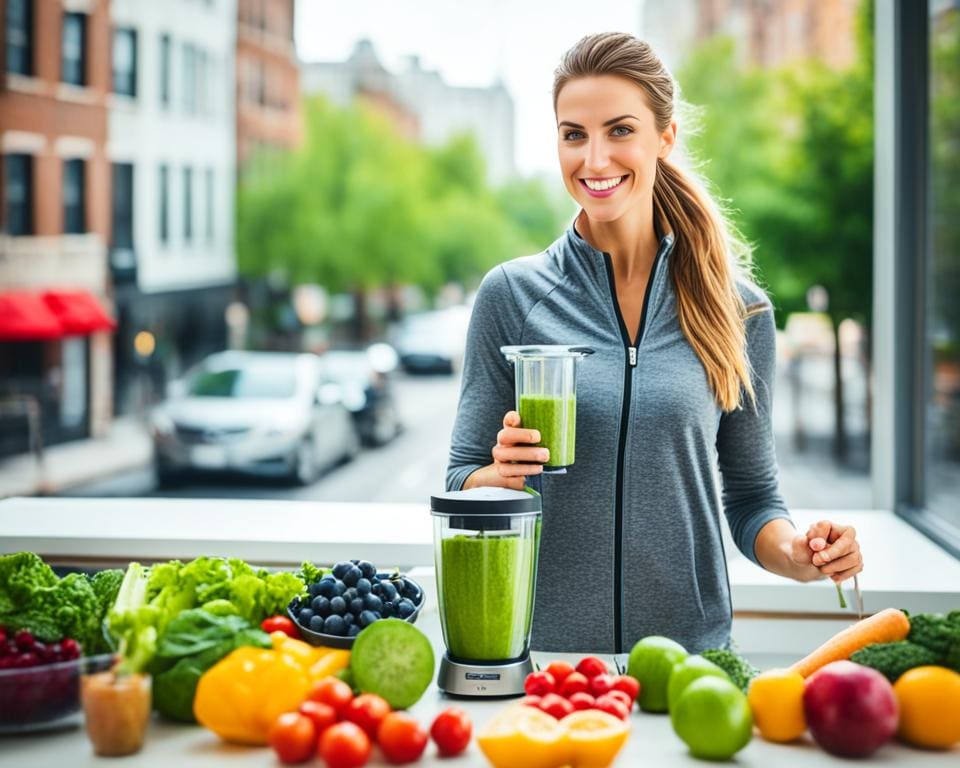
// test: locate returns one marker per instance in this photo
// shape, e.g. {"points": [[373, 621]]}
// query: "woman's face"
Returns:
{"points": [[608, 145]]}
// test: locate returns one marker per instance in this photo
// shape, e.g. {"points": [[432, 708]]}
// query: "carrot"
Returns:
{"points": [[885, 627]]}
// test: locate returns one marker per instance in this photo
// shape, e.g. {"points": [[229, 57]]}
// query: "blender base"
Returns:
{"points": [[492, 680]]}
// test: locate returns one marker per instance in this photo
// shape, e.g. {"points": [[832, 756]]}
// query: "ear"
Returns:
{"points": [[667, 140]]}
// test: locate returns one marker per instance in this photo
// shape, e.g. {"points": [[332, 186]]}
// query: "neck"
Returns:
{"points": [[631, 241]]}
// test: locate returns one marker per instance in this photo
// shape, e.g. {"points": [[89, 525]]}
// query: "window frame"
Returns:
{"points": [[187, 180], [163, 213], [22, 64], [129, 89], [27, 217], [75, 214], [73, 71], [122, 238], [166, 70]]}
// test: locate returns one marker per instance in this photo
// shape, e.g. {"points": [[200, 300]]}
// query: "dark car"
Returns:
{"points": [[365, 377]]}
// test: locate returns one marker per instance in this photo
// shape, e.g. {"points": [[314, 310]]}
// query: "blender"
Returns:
{"points": [[485, 543], [546, 397]]}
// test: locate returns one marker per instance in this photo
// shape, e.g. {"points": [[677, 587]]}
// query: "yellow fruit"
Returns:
{"points": [[929, 699], [776, 702], [524, 737], [594, 737]]}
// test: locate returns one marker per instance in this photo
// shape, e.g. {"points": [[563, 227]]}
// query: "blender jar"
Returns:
{"points": [[546, 397], [485, 552]]}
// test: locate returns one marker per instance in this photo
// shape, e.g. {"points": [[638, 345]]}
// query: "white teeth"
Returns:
{"points": [[599, 186]]}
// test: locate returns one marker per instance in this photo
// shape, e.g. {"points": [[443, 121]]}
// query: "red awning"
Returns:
{"points": [[52, 315]]}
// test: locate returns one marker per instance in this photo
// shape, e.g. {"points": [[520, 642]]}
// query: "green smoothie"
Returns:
{"points": [[556, 418], [487, 587]]}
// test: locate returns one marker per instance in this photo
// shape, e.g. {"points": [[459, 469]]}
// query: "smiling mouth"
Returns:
{"points": [[603, 185]]}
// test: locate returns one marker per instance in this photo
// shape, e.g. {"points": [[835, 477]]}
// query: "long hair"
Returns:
{"points": [[708, 254]]}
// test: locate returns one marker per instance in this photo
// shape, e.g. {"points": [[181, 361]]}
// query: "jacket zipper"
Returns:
{"points": [[631, 357]]}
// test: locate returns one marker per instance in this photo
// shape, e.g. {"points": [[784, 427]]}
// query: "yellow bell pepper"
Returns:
{"points": [[241, 696]]}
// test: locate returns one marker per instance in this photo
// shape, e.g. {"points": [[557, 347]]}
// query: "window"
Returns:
{"points": [[164, 194], [209, 202], [165, 63], [125, 61], [73, 49], [187, 204], [73, 197], [18, 24], [189, 79], [122, 198], [18, 193]]}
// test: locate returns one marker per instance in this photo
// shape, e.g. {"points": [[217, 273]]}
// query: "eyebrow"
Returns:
{"points": [[611, 121]]}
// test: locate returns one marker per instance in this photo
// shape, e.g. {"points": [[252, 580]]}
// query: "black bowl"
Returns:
{"points": [[338, 641]]}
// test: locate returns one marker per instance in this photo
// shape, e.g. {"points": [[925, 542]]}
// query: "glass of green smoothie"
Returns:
{"points": [[546, 392]]}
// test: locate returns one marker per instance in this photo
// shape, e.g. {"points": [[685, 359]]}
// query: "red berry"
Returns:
{"points": [[575, 683], [539, 684], [591, 666], [620, 696], [530, 701], [3, 635], [69, 649], [28, 659], [629, 685], [582, 700], [24, 640], [560, 670], [601, 684], [555, 705], [613, 706]]}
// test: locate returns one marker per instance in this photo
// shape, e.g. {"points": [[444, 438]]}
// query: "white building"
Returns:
{"points": [[441, 110]]}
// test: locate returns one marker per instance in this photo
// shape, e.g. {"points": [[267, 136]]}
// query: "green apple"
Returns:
{"points": [[652, 660], [713, 718], [688, 670]]}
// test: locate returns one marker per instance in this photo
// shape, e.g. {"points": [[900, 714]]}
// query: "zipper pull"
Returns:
{"points": [[633, 356]]}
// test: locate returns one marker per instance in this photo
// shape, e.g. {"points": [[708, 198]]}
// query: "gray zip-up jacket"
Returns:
{"points": [[631, 536]]}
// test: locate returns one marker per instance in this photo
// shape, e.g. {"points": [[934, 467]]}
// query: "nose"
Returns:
{"points": [[598, 156]]}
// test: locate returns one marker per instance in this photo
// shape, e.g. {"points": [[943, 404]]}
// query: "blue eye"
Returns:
{"points": [[625, 128], [572, 135]]}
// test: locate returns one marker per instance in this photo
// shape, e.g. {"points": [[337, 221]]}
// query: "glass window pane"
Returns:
{"points": [[18, 193], [73, 197], [18, 25], [122, 205], [72, 48], [165, 69], [187, 204], [164, 194], [125, 62], [943, 320]]}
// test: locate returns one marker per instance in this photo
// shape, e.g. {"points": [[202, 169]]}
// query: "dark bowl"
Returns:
{"points": [[337, 641]]}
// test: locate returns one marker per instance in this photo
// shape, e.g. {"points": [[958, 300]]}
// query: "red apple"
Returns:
{"points": [[851, 710]]}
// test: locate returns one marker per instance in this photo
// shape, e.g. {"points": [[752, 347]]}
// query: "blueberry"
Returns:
{"points": [[363, 586], [314, 589], [304, 616], [317, 623], [350, 593], [368, 569], [348, 619], [353, 630], [325, 587], [388, 591], [321, 606], [351, 577], [341, 568], [389, 609], [339, 588], [376, 588], [405, 608], [335, 625], [356, 606], [338, 606], [372, 603], [354, 561], [367, 618], [377, 615]]}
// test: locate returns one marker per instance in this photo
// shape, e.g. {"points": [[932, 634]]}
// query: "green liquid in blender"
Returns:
{"points": [[556, 419], [487, 588]]}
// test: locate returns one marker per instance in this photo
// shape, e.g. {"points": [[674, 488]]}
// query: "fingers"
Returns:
{"points": [[511, 419], [845, 543], [518, 436], [526, 454], [817, 535], [800, 551], [841, 564], [847, 574], [515, 483], [519, 470]]}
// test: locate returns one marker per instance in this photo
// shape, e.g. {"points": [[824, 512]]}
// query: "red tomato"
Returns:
{"points": [[575, 683], [556, 705], [451, 731], [621, 697], [613, 706], [560, 670], [582, 700], [591, 666], [629, 685], [401, 738], [539, 684], [293, 737], [601, 684], [280, 624], [344, 745], [333, 692], [322, 715], [367, 711]]}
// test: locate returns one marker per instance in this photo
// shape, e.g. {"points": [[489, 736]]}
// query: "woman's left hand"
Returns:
{"points": [[830, 548]]}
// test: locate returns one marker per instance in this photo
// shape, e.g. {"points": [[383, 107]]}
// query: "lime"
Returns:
{"points": [[393, 659], [651, 662], [713, 718], [686, 672]]}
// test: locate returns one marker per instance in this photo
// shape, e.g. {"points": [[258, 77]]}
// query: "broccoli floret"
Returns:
{"points": [[740, 671], [893, 659], [934, 631]]}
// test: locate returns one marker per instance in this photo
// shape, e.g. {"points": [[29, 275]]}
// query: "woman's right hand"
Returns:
{"points": [[515, 456]]}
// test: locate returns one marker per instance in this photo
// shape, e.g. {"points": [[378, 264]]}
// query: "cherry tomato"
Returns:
{"points": [[333, 692], [601, 684], [613, 706], [344, 745], [539, 684], [401, 738], [280, 624], [575, 683], [367, 711], [620, 696], [582, 700], [555, 705], [560, 670], [629, 685], [293, 737], [530, 701], [322, 715], [451, 731], [591, 666]]}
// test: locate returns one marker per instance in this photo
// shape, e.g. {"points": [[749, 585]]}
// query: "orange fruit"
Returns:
{"points": [[594, 737], [929, 699], [524, 737], [776, 701]]}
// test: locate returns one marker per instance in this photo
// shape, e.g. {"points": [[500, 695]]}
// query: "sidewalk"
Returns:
{"points": [[127, 447]]}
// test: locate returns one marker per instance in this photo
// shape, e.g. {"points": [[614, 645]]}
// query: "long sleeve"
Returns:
{"points": [[486, 388], [745, 446]]}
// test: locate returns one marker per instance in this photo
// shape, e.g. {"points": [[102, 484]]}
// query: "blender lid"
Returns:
{"points": [[545, 350], [485, 502]]}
